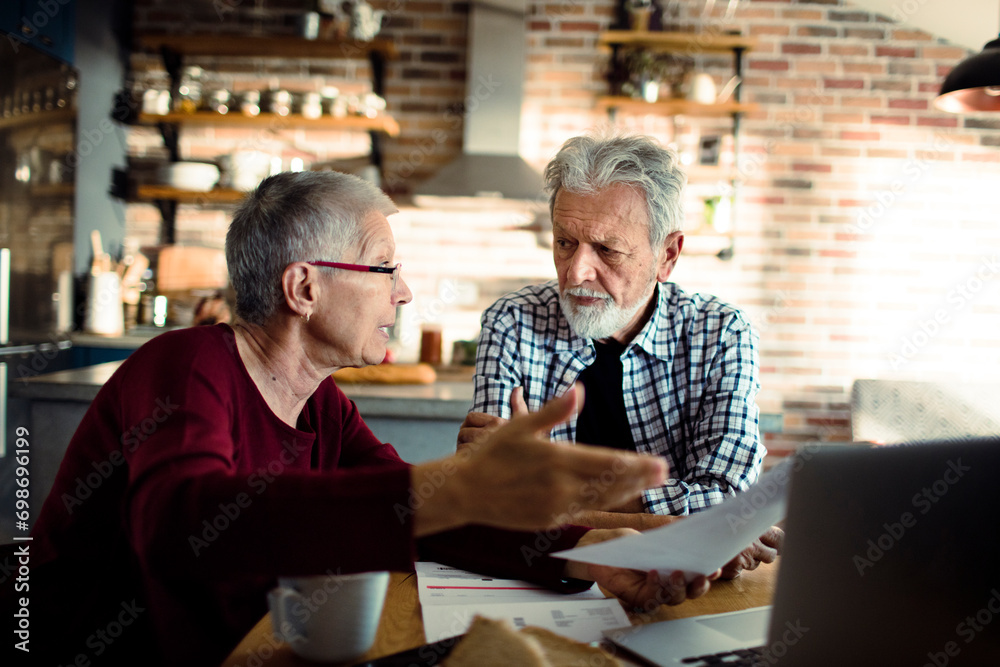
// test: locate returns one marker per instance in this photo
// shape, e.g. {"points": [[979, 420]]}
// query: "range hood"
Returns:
{"points": [[490, 166]]}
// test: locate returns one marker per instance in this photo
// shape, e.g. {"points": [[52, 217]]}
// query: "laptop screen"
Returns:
{"points": [[892, 557]]}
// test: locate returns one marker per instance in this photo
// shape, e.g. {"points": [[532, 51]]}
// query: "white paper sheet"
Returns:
{"points": [[582, 620], [450, 597], [702, 542]]}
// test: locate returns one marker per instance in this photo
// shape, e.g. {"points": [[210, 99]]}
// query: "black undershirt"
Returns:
{"points": [[602, 421]]}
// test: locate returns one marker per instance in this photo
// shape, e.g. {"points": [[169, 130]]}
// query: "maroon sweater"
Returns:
{"points": [[182, 497]]}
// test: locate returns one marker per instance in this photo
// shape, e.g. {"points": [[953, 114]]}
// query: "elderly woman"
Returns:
{"points": [[218, 458]]}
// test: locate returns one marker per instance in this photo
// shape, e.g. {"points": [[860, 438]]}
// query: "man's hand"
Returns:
{"points": [[519, 480], [764, 549], [643, 591], [478, 426]]}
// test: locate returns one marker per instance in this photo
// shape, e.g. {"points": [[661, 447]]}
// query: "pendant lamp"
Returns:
{"points": [[974, 84]]}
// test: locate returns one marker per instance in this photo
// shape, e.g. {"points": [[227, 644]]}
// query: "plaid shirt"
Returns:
{"points": [[689, 381]]}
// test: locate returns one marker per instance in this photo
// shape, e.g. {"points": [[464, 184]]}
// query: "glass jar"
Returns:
{"points": [[189, 92], [250, 103], [312, 105], [219, 101], [279, 102]]}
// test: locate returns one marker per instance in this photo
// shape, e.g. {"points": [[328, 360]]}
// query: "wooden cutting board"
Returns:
{"points": [[387, 374]]}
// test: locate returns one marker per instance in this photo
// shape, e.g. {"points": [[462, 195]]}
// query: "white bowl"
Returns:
{"points": [[194, 176]]}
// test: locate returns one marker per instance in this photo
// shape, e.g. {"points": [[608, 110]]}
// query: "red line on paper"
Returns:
{"points": [[492, 588]]}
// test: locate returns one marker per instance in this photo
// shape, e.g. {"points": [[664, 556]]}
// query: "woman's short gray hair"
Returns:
{"points": [[294, 217], [590, 163]]}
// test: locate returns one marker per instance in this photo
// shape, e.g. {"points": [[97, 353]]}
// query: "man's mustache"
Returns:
{"points": [[583, 291]]}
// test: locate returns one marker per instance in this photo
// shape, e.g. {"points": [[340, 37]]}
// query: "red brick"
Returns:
{"points": [[937, 122], [951, 53], [890, 120], [849, 17], [911, 35], [564, 9], [802, 14], [843, 83], [849, 50], [564, 42], [863, 102], [840, 118], [770, 200], [779, 30], [579, 26], [839, 151], [801, 48], [864, 68], [770, 65], [902, 86], [864, 33], [908, 104], [852, 135], [821, 168], [820, 66], [909, 68], [895, 52], [890, 153], [816, 31]]}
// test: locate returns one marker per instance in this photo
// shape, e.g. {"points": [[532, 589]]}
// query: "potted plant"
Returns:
{"points": [[648, 72]]}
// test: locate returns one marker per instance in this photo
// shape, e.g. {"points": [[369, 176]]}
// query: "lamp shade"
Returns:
{"points": [[974, 84]]}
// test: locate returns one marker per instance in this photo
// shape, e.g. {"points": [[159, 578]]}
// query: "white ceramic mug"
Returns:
{"points": [[328, 618]]}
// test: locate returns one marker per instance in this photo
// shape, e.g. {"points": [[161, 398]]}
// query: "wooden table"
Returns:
{"points": [[401, 626]]}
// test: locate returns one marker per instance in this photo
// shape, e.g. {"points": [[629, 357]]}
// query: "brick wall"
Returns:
{"points": [[865, 241]]}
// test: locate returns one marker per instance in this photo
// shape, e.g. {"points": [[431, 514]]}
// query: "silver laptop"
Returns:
{"points": [[892, 557]]}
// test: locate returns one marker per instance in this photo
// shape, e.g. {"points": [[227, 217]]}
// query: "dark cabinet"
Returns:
{"points": [[47, 25]]}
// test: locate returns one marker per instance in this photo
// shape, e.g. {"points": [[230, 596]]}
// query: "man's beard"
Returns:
{"points": [[597, 321]]}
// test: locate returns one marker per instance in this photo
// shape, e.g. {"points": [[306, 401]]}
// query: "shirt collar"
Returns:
{"points": [[651, 338]]}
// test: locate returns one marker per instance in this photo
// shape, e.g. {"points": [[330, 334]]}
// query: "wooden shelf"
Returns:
{"points": [[53, 190], [263, 46], [381, 123], [672, 107], [151, 193], [39, 118], [686, 43]]}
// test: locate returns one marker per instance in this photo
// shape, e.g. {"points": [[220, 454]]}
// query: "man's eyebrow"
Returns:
{"points": [[607, 241]]}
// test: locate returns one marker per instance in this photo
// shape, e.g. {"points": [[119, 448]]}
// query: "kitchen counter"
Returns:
{"points": [[447, 399], [131, 340]]}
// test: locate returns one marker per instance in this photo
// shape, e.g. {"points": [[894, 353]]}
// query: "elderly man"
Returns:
{"points": [[665, 372], [258, 466]]}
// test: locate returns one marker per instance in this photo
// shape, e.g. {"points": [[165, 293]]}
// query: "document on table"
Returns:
{"points": [[702, 542], [450, 597]]}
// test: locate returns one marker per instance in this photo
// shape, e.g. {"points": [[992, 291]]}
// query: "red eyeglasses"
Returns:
{"points": [[392, 270]]}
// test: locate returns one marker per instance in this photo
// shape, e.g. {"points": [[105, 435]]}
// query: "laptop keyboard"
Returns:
{"points": [[745, 657]]}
